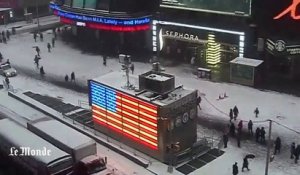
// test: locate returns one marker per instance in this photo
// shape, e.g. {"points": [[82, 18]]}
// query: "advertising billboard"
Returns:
{"points": [[242, 7], [124, 114]]}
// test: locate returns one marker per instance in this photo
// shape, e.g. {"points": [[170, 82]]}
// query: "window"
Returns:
{"points": [[78, 3], [103, 5], [90, 4], [68, 2]]}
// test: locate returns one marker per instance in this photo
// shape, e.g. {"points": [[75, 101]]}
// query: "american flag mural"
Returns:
{"points": [[125, 114]]}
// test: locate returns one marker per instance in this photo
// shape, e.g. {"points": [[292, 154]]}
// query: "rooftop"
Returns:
{"points": [[247, 61], [118, 80]]}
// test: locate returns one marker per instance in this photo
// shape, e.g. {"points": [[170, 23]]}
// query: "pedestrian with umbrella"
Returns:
{"points": [[245, 164]]}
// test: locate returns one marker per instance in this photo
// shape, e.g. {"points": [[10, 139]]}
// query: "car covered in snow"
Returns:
{"points": [[7, 70]]}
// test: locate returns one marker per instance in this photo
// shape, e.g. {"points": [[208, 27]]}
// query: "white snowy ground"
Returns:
{"points": [[65, 59]]}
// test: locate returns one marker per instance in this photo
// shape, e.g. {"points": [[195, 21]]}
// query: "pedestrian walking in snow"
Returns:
{"points": [[257, 134], [225, 140], [66, 78], [4, 40], [256, 112], [235, 169], [199, 99], [53, 42], [36, 60], [37, 49], [34, 36], [292, 150], [49, 47], [263, 135], [42, 72], [72, 77], [41, 37], [132, 68], [7, 34], [245, 164], [7, 82], [104, 60], [297, 153], [232, 129], [277, 146], [1, 57], [231, 114], [235, 112], [240, 127], [250, 126]]}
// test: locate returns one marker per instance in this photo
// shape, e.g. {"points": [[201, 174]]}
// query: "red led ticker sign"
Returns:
{"points": [[291, 9]]}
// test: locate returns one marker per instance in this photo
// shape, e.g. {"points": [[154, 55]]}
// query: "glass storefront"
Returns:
{"points": [[229, 6], [90, 4]]}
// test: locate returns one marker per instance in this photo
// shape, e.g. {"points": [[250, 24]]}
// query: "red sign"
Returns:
{"points": [[290, 9]]}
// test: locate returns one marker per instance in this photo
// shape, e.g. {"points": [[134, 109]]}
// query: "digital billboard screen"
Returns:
{"points": [[225, 6], [124, 114]]}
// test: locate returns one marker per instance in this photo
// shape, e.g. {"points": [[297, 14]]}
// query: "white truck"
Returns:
{"points": [[30, 154], [82, 148]]}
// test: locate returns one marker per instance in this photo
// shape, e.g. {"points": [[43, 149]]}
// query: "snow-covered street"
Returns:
{"points": [[64, 59]]}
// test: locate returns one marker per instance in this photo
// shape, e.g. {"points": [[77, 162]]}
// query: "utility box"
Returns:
{"points": [[246, 71]]}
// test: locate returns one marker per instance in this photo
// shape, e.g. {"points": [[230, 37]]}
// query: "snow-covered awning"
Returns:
{"points": [[247, 61]]}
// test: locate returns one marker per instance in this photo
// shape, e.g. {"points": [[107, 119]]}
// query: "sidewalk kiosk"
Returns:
{"points": [[245, 71]]}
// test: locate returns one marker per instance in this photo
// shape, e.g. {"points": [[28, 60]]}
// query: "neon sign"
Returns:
{"points": [[124, 114], [101, 20], [291, 9]]}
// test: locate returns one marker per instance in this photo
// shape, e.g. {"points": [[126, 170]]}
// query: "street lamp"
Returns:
{"points": [[268, 148], [37, 14]]}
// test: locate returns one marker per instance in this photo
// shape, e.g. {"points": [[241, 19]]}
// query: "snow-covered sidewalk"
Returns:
{"points": [[64, 59]]}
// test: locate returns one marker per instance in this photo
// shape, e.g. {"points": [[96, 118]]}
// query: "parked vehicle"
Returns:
{"points": [[79, 146], [7, 71], [15, 138]]}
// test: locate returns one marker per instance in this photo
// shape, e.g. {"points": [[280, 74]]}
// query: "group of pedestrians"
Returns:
{"points": [[72, 77], [4, 36]]}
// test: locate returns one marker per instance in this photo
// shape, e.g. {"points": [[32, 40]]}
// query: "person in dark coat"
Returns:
{"points": [[53, 42], [257, 134], [232, 129], [297, 153], [250, 126], [36, 60], [66, 78], [238, 139], [7, 34], [132, 68], [231, 114], [225, 140], [235, 112], [199, 99], [104, 60], [245, 164], [34, 37], [240, 127], [73, 76], [49, 47], [4, 40], [42, 72], [277, 146], [263, 135], [7, 81], [235, 169], [37, 49], [41, 36], [1, 57], [293, 148], [256, 112]]}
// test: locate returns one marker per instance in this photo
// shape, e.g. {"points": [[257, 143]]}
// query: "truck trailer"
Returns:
{"points": [[30, 153]]}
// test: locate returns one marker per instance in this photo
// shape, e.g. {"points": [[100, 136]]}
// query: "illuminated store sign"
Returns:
{"points": [[124, 114], [136, 23], [292, 9], [280, 47], [179, 35]]}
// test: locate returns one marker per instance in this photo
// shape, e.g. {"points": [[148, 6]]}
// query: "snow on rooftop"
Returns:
{"points": [[246, 61], [63, 133], [21, 137]]}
